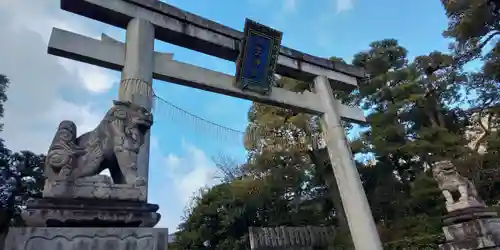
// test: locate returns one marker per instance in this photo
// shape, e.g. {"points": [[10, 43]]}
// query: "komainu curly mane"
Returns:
{"points": [[114, 144]]}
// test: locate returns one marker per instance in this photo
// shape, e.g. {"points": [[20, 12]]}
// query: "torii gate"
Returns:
{"points": [[147, 20]]}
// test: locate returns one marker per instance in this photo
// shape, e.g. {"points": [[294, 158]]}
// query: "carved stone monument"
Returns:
{"points": [[72, 163], [469, 224], [450, 181], [81, 209]]}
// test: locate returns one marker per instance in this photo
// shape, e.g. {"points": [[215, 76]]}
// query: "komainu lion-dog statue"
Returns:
{"points": [[114, 145], [449, 181]]}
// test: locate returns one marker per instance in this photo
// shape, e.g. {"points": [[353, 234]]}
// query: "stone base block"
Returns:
{"points": [[468, 214], [94, 187], [483, 242], [90, 213], [473, 228], [460, 205], [74, 238]]}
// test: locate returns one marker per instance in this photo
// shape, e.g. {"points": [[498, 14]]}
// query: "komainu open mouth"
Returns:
{"points": [[143, 124]]}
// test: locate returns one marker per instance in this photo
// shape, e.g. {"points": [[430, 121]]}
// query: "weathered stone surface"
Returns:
{"points": [[474, 228], [483, 242], [289, 237], [185, 29], [88, 213], [464, 204], [33, 238], [94, 187], [363, 230], [114, 145], [471, 228], [468, 214], [137, 79], [111, 55]]}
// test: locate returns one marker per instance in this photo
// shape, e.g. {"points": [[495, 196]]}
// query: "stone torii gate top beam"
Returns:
{"points": [[109, 53], [188, 30]]}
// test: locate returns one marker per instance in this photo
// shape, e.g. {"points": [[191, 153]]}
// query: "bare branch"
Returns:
{"points": [[229, 168]]}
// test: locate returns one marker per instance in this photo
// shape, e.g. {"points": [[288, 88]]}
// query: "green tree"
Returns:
{"points": [[414, 121], [4, 84], [473, 24], [31, 181], [219, 218], [475, 27], [22, 174], [278, 141]]}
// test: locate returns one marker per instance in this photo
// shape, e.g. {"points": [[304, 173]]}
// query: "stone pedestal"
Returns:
{"points": [[471, 228], [81, 224], [81, 238], [94, 187], [466, 204], [88, 224], [49, 212]]}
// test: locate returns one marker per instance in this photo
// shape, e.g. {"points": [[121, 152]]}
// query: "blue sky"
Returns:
{"points": [[180, 156]]}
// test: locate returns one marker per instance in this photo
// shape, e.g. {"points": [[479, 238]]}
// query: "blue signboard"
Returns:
{"points": [[258, 57]]}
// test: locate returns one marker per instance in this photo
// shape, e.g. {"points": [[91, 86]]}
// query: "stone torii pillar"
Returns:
{"points": [[137, 77], [357, 210]]}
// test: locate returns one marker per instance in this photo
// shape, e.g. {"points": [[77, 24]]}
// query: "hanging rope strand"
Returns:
{"points": [[201, 124], [223, 133]]}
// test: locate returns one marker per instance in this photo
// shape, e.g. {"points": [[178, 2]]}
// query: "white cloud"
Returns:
{"points": [[344, 5], [41, 16], [186, 173], [40, 83], [289, 5], [83, 115], [190, 172], [173, 162], [94, 78]]}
